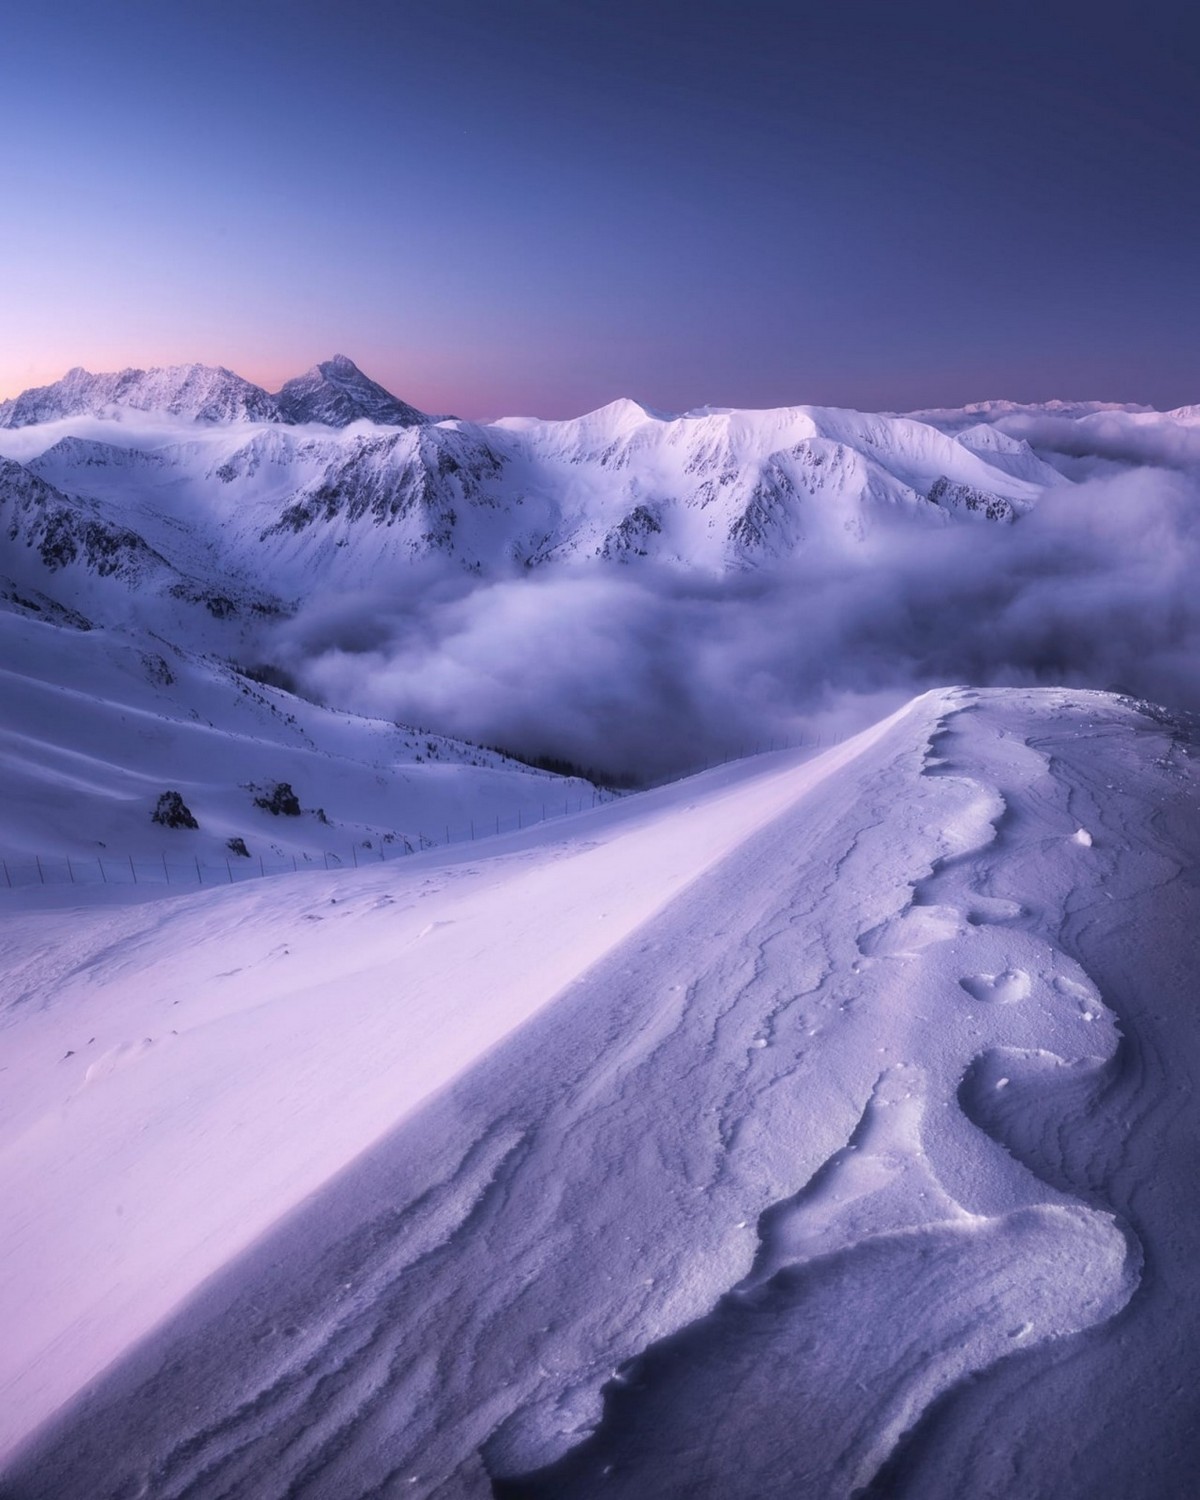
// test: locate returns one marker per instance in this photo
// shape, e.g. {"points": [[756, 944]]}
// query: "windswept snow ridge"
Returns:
{"points": [[775, 1134]]}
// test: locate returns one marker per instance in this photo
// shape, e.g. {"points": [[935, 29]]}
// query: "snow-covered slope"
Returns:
{"points": [[811, 1128], [99, 724], [1011, 455]]}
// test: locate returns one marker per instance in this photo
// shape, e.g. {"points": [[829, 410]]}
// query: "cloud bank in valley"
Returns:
{"points": [[646, 671]]}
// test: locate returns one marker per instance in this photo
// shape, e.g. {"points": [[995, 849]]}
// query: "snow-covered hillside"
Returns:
{"points": [[99, 724], [815, 1127]]}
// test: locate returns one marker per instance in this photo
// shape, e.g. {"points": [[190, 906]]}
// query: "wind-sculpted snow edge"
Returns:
{"points": [[826, 1428], [806, 1040]]}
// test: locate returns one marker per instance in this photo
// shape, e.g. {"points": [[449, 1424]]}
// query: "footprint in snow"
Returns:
{"points": [[998, 989]]}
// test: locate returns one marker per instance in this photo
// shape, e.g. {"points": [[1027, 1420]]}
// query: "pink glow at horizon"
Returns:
{"points": [[439, 393], [541, 217]]}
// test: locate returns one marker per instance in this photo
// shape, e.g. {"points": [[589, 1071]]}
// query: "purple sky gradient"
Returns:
{"points": [[538, 207]]}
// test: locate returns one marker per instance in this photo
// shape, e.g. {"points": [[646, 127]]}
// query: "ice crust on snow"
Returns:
{"points": [[795, 1155]]}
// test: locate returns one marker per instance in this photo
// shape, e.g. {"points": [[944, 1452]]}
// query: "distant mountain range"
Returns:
{"points": [[334, 394], [194, 483], [191, 503]]}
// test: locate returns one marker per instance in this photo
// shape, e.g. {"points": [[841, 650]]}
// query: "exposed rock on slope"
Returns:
{"points": [[60, 530]]}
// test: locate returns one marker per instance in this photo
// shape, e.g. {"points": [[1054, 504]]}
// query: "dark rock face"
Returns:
{"points": [[337, 393], [63, 529], [951, 496], [280, 800], [629, 537], [173, 812]]}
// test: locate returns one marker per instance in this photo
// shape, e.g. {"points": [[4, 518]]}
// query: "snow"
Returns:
{"points": [[195, 392], [333, 393], [98, 724], [813, 1126], [194, 1116], [336, 393], [222, 482], [807, 1122]]}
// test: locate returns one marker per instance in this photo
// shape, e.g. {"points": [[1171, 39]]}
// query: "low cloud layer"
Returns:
{"points": [[644, 672], [1113, 437]]}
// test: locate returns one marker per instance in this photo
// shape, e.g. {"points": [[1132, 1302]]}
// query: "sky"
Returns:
{"points": [[537, 207]]}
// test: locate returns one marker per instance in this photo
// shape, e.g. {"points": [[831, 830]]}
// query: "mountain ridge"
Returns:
{"points": [[334, 393]]}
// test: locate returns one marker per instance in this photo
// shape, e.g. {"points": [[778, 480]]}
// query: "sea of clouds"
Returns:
{"points": [[644, 671]]}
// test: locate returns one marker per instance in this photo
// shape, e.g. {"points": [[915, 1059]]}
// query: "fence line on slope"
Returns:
{"points": [[232, 868], [158, 869]]}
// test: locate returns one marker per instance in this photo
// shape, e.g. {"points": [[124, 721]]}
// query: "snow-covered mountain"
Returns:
{"points": [[334, 481], [333, 394], [336, 393], [194, 392], [816, 1127]]}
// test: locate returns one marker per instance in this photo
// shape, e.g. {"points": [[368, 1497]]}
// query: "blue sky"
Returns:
{"points": [[540, 206]]}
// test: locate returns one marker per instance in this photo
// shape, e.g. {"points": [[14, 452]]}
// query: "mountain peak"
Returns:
{"points": [[204, 393], [336, 393]]}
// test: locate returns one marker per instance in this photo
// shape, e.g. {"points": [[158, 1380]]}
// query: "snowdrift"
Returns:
{"points": [[813, 1127]]}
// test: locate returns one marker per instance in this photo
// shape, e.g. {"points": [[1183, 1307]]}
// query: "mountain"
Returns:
{"points": [[195, 392], [337, 393], [59, 531], [335, 482], [719, 488], [811, 1127], [954, 419], [331, 394]]}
